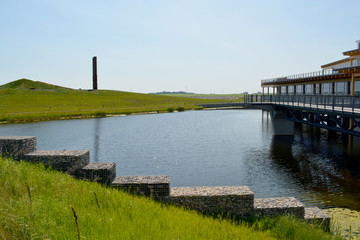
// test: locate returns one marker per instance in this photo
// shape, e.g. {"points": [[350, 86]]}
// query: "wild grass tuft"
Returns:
{"points": [[289, 227]]}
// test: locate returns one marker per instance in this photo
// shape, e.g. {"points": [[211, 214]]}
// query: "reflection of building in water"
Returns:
{"points": [[341, 77]]}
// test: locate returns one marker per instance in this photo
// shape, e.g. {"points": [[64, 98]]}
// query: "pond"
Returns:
{"points": [[215, 148]]}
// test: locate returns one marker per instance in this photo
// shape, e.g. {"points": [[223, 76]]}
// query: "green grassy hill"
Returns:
{"points": [[25, 100], [31, 85], [38, 203]]}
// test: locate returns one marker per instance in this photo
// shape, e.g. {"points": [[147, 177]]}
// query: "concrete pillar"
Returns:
{"points": [[268, 91], [281, 126]]}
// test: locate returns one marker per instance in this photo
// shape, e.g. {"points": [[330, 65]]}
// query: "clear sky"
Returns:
{"points": [[200, 46]]}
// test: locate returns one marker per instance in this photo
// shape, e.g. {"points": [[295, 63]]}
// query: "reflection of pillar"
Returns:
{"points": [[281, 151], [96, 139]]}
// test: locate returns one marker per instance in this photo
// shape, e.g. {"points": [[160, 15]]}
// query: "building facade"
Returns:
{"points": [[341, 77]]}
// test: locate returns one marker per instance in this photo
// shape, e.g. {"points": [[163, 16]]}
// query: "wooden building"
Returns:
{"points": [[341, 77]]}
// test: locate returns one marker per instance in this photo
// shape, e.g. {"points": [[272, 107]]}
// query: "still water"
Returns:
{"points": [[215, 148]]}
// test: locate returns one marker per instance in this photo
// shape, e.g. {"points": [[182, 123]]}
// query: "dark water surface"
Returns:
{"points": [[215, 148]]}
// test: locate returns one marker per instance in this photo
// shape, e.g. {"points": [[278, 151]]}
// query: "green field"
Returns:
{"points": [[25, 100], [37, 203]]}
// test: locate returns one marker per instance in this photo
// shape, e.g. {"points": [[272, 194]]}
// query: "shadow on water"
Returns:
{"points": [[322, 163]]}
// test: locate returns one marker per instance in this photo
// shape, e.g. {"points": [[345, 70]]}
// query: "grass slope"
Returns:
{"points": [[37, 203], [25, 100], [33, 85]]}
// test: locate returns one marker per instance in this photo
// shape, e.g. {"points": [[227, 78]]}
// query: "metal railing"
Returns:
{"points": [[327, 72], [348, 104]]}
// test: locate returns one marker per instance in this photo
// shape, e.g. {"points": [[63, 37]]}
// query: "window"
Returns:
{"points": [[326, 88], [317, 88], [308, 89], [357, 88], [341, 88], [283, 90], [299, 89], [291, 90]]}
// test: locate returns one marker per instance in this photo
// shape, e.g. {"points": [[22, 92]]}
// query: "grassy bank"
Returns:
{"points": [[345, 222], [37, 203], [25, 101]]}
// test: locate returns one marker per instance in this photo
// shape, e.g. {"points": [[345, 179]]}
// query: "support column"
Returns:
{"points": [[281, 126], [352, 84], [351, 122], [268, 91]]}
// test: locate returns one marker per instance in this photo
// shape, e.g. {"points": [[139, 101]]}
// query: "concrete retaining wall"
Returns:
{"points": [[151, 186], [16, 146], [231, 202], [270, 207], [60, 160]]}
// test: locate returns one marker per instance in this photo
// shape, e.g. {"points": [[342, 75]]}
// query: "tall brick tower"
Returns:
{"points": [[94, 63]]}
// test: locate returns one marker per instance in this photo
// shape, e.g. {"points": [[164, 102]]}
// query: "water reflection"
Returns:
{"points": [[320, 162], [96, 139], [216, 148]]}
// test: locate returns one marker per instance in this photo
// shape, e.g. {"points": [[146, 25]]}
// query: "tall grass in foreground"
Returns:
{"points": [[36, 203]]}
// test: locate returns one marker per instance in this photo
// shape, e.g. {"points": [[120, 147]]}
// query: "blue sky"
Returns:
{"points": [[149, 46]]}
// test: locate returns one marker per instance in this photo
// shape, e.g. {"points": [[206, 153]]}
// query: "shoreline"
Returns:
{"points": [[104, 114]]}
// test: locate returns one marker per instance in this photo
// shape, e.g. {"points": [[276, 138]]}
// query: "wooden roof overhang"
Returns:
{"points": [[304, 80], [350, 70], [352, 52], [335, 63]]}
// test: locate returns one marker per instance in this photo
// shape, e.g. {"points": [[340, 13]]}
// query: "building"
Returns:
{"points": [[341, 77]]}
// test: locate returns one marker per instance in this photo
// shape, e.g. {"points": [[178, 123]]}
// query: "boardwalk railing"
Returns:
{"points": [[347, 104], [327, 72]]}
